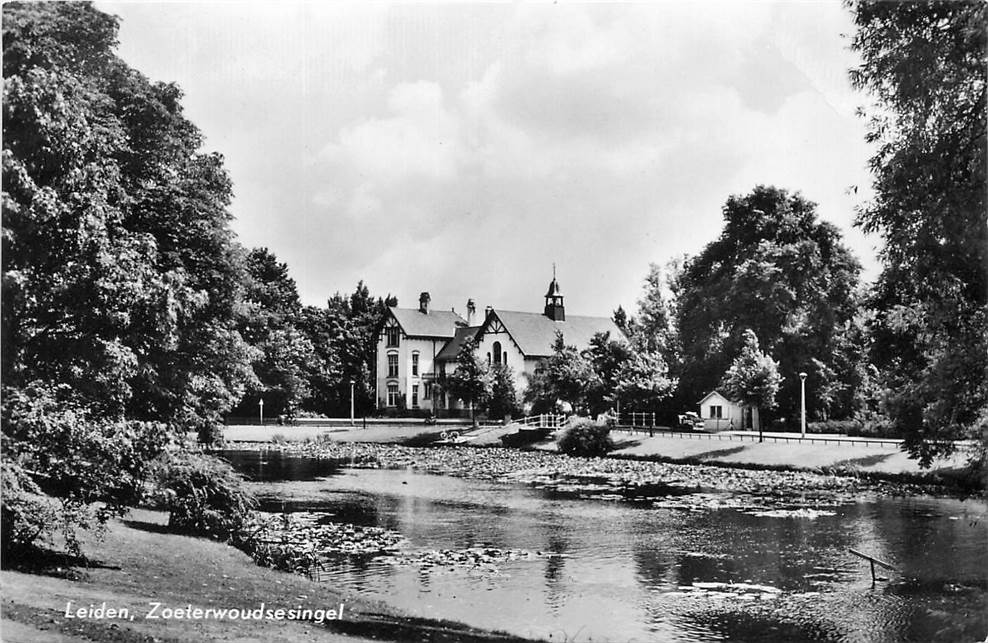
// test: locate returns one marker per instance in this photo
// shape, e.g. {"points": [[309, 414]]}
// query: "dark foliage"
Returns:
{"points": [[586, 439], [924, 65], [779, 271], [203, 494]]}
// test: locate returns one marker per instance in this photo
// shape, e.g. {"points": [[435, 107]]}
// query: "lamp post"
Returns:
{"points": [[802, 404], [351, 401], [260, 409]]}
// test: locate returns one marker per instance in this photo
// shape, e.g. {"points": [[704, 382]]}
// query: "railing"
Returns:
{"points": [[639, 420], [542, 421], [753, 437]]}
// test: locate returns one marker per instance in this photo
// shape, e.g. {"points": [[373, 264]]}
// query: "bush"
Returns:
{"points": [[855, 428], [210, 434], [66, 469], [587, 439], [27, 515], [204, 495]]}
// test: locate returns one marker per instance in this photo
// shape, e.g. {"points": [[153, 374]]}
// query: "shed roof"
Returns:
{"points": [[534, 333], [435, 323]]}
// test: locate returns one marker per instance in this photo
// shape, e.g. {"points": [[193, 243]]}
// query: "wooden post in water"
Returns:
{"points": [[872, 560]]}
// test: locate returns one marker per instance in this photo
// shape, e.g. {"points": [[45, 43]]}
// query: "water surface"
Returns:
{"points": [[627, 571]]}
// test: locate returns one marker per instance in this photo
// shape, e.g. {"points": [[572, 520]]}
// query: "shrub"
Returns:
{"points": [[587, 439], [27, 515], [874, 428], [66, 469], [210, 434], [204, 495]]}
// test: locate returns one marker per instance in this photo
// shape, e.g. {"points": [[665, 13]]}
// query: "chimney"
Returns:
{"points": [[487, 312], [424, 300], [471, 311]]}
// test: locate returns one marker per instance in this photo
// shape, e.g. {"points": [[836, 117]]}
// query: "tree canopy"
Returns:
{"points": [[121, 276], [565, 376], [777, 270], [753, 377], [924, 69], [470, 381]]}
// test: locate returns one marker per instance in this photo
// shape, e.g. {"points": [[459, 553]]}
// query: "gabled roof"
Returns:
{"points": [[435, 323], [716, 392], [534, 333], [452, 347]]}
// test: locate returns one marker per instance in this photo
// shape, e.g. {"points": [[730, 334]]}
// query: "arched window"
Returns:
{"points": [[497, 352]]}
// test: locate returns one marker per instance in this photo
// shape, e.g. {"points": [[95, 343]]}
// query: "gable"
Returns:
{"points": [[717, 397], [535, 334]]}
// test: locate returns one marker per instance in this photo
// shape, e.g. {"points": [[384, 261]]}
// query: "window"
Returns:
{"points": [[716, 411], [427, 393], [392, 333], [497, 352], [392, 364], [415, 396], [392, 394], [415, 363]]}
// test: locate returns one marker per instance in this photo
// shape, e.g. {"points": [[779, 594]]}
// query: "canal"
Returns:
{"points": [[605, 569]]}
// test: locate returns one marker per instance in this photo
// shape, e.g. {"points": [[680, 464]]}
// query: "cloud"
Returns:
{"points": [[462, 149]]}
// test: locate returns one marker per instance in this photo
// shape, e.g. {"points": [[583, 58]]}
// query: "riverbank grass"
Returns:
{"points": [[139, 563]]}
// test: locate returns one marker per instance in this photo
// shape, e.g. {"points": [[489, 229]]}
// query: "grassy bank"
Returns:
{"points": [[138, 562], [874, 461]]}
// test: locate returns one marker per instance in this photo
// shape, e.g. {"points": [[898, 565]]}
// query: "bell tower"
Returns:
{"points": [[554, 308]]}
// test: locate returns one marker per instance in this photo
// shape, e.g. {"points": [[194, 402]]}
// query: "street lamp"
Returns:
{"points": [[351, 401], [260, 409], [802, 403]]}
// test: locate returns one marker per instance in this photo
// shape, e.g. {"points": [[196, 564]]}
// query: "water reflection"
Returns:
{"points": [[269, 466], [624, 571]]}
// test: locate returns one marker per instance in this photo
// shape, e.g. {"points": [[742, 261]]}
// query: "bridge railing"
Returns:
{"points": [[542, 421]]}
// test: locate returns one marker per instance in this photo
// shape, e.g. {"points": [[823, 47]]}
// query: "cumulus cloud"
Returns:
{"points": [[463, 149]]}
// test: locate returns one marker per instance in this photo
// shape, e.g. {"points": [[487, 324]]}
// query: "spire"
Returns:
{"points": [[554, 308]]}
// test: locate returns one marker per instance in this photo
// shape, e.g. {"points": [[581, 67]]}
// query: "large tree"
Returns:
{"points": [[122, 279], [566, 376], [344, 335], [470, 381], [779, 271], [643, 382], [923, 66], [285, 361], [121, 276]]}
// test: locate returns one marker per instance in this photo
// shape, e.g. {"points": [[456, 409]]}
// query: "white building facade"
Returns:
{"points": [[721, 414], [408, 342]]}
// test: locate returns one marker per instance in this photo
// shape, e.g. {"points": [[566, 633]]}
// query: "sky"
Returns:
{"points": [[463, 149]]}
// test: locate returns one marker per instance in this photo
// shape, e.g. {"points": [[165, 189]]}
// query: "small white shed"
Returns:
{"points": [[722, 414]]}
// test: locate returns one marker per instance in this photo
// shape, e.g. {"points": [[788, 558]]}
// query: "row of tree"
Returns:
{"points": [[123, 282], [121, 276], [777, 283]]}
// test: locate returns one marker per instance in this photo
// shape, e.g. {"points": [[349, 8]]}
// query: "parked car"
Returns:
{"points": [[691, 421]]}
